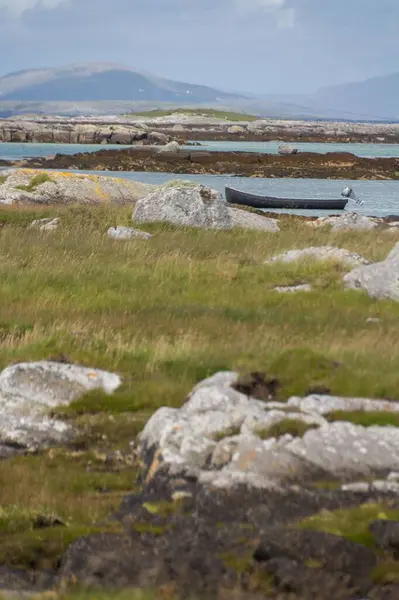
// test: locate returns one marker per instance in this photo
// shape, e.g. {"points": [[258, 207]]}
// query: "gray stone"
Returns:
{"points": [[379, 280], [236, 129], [248, 220], [127, 233], [351, 259], [29, 390], [156, 137], [187, 206], [349, 221], [286, 150], [45, 224], [170, 147], [323, 405], [287, 289]]}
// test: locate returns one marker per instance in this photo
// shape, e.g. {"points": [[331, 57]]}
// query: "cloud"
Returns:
{"points": [[18, 7]]}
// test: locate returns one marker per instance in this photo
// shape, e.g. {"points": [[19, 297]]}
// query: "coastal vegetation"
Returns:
{"points": [[227, 115]]}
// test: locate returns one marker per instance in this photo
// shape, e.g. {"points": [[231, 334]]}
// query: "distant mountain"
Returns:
{"points": [[376, 98], [101, 82]]}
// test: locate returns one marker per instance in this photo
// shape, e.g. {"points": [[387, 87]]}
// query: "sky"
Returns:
{"points": [[259, 46]]}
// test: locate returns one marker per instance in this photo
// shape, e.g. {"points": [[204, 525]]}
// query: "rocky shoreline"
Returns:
{"points": [[119, 130], [302, 165]]}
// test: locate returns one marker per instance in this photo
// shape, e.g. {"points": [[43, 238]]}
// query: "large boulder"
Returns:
{"points": [[224, 437], [286, 150], [31, 186], [379, 280], [184, 205], [321, 253], [28, 391]]}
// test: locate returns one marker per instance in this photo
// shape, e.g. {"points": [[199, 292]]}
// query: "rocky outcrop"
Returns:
{"points": [[379, 280], [331, 253], [225, 438], [48, 224], [30, 186], [127, 233], [28, 391], [248, 220]]}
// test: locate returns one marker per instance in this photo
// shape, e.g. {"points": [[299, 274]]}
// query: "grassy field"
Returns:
{"points": [[196, 112], [165, 313]]}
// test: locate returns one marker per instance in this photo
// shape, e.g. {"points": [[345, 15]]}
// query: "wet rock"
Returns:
{"points": [[45, 224], [379, 280], [187, 206], [247, 220], [28, 391], [127, 233], [350, 259], [30, 186]]}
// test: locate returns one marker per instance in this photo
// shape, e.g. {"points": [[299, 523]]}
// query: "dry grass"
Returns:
{"points": [[165, 313]]}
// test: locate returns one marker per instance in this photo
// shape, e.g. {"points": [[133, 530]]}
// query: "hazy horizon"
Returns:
{"points": [[253, 46]]}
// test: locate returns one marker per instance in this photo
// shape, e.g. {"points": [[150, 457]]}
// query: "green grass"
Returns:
{"points": [[293, 427], [3, 179], [366, 419], [35, 182], [165, 314], [352, 524], [386, 573], [201, 112]]}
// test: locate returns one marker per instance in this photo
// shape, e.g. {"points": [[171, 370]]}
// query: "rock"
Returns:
{"points": [[29, 390], [248, 220], [155, 137], [349, 221], [127, 233], [287, 150], [186, 206], [236, 130], [170, 147], [220, 438], [30, 186], [350, 259], [386, 535], [305, 287], [45, 224], [379, 280], [323, 404]]}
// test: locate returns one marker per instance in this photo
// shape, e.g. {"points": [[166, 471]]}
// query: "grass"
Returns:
{"points": [[37, 180], [294, 427], [366, 419], [3, 179], [196, 112], [352, 524], [164, 314]]}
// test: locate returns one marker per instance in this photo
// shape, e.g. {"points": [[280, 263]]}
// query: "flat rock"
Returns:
{"points": [[286, 150], [30, 186], [349, 221], [186, 206], [170, 147], [290, 289], [29, 390], [248, 220], [379, 280], [127, 233], [351, 259]]}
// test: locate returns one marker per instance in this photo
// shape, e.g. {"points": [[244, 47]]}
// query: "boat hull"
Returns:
{"points": [[246, 199]]}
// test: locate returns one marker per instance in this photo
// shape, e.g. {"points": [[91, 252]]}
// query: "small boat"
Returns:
{"points": [[247, 199]]}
